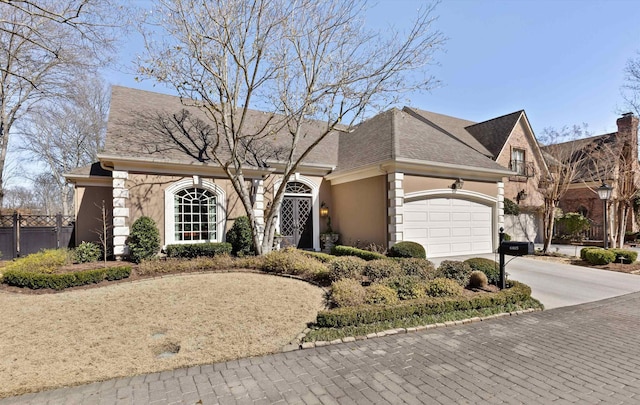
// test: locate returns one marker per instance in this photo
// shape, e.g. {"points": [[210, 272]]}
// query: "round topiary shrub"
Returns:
{"points": [[144, 239], [376, 270], [455, 270], [422, 268], [347, 293], [240, 237], [406, 287], [477, 279], [380, 294], [407, 249], [489, 267], [87, 252], [443, 287], [346, 267]]}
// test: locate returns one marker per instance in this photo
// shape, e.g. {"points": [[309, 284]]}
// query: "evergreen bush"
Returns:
{"points": [[407, 249], [87, 252], [455, 270], [489, 267], [144, 239], [240, 237]]}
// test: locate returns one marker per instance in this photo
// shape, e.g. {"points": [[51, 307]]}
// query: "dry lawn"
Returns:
{"points": [[90, 335]]}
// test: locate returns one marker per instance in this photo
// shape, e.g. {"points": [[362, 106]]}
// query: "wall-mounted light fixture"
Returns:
{"points": [[521, 196], [324, 210], [457, 185]]}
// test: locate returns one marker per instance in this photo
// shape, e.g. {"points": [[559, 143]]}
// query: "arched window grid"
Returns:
{"points": [[195, 215]]}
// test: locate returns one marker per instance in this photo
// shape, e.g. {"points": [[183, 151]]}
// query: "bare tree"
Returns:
{"points": [[67, 133], [20, 198], [42, 50], [566, 161], [296, 61]]}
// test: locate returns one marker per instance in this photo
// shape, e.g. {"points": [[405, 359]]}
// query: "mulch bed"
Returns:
{"points": [[633, 268]]}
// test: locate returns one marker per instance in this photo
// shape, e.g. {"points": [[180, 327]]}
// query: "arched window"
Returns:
{"points": [[195, 215], [582, 210], [194, 212]]}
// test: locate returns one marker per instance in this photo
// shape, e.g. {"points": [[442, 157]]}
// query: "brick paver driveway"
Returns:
{"points": [[585, 354]]}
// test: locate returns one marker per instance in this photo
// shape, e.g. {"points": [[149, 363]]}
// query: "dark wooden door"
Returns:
{"points": [[296, 222]]}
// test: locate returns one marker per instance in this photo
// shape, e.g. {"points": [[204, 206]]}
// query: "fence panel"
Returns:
{"points": [[21, 235]]}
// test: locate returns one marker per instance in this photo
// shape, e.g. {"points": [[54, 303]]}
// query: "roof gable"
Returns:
{"points": [[493, 134]]}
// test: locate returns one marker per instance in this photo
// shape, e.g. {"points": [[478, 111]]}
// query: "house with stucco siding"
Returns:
{"points": [[404, 174]]}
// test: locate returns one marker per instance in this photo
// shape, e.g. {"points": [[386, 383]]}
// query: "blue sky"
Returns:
{"points": [[561, 61]]}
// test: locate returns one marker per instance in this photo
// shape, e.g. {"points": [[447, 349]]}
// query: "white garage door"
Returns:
{"points": [[448, 226]]}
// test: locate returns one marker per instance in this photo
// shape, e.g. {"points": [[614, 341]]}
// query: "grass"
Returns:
{"points": [[82, 336], [328, 334]]}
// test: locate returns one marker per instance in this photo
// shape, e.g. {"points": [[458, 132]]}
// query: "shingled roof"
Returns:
{"points": [[493, 134], [404, 134], [142, 124]]}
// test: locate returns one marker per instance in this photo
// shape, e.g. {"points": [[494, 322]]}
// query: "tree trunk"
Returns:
{"points": [[548, 223]]}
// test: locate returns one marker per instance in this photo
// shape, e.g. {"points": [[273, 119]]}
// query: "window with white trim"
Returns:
{"points": [[517, 161], [195, 215]]}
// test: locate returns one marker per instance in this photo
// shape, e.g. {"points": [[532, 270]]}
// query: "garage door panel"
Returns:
{"points": [[449, 226]]}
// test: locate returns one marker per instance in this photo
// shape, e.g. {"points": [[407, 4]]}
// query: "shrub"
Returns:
{"points": [[511, 208], [248, 262], [477, 279], [599, 256], [376, 270], [628, 256], [489, 267], [422, 268], [34, 280], [365, 314], [340, 250], [144, 240], [455, 270], [323, 257], [407, 249], [443, 287], [45, 261], [240, 237], [346, 267], [291, 261], [380, 294], [87, 252], [192, 250], [572, 225], [406, 287], [583, 251], [347, 293]]}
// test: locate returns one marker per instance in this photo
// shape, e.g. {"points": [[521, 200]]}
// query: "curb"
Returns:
{"points": [[297, 343]]}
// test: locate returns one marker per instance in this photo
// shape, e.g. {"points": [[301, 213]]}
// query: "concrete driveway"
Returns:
{"points": [[560, 285]]}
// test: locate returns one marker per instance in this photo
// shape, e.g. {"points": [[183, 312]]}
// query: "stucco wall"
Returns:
{"points": [[417, 183], [513, 185], [523, 227], [88, 206], [359, 211], [146, 198]]}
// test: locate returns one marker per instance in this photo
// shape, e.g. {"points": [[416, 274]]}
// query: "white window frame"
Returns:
{"points": [[169, 209], [519, 163]]}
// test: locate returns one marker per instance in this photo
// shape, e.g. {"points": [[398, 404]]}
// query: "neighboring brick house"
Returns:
{"points": [[403, 174], [599, 163]]}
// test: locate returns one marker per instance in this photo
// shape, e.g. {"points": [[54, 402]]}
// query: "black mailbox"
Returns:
{"points": [[516, 248]]}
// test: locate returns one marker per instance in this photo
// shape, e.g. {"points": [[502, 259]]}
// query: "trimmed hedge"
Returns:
{"points": [[584, 250], [629, 256], [192, 250], [599, 256], [351, 251], [35, 281], [407, 249], [364, 314]]}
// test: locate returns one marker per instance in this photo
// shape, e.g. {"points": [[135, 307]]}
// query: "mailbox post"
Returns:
{"points": [[511, 249]]}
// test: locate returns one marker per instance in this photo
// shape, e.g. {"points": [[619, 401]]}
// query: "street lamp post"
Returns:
{"points": [[604, 192]]}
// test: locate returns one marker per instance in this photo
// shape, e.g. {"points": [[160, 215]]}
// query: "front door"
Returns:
{"points": [[296, 223]]}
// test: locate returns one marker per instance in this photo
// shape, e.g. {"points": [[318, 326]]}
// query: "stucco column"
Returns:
{"points": [[396, 208], [258, 205], [120, 213]]}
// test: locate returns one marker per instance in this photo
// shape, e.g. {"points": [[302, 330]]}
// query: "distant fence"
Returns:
{"points": [[21, 235], [594, 232]]}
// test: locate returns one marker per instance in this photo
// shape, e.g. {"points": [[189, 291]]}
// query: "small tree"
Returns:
{"points": [[240, 237], [144, 240], [573, 224]]}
